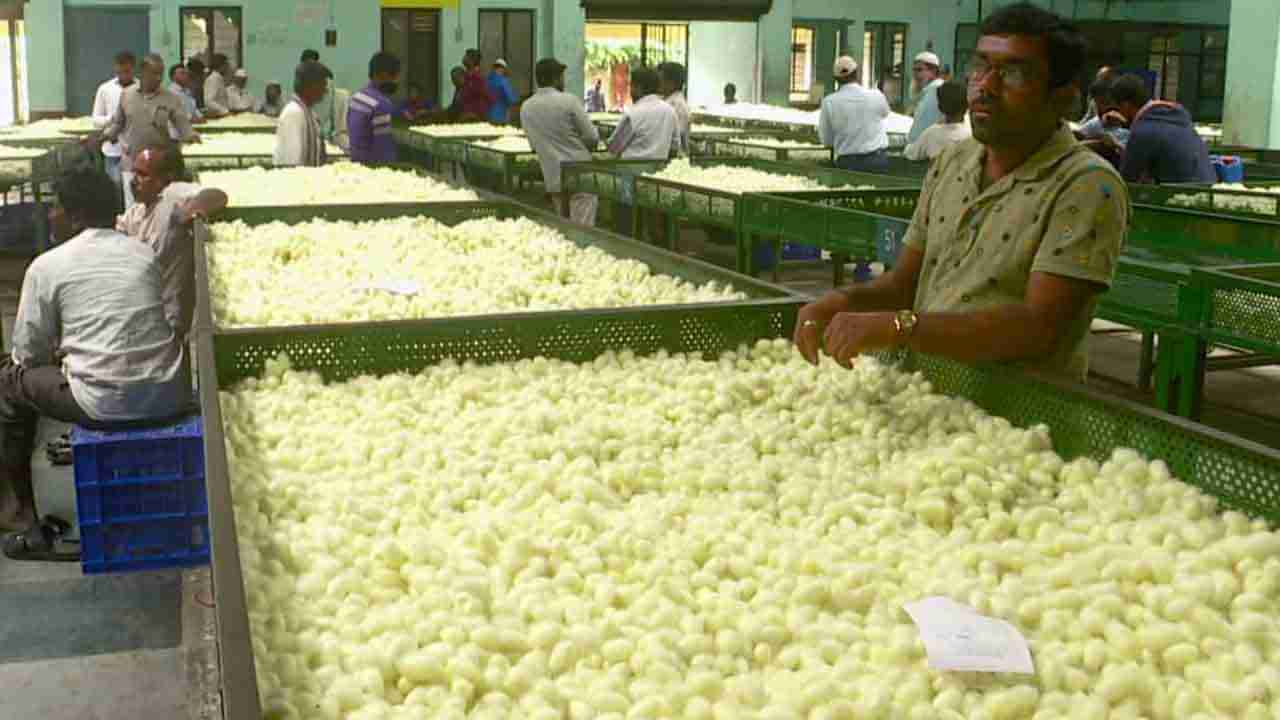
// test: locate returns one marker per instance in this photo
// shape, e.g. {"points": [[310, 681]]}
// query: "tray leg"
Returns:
{"points": [[1146, 364], [838, 261], [776, 245]]}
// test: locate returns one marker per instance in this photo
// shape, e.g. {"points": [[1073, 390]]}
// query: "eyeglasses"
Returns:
{"points": [[1014, 76]]}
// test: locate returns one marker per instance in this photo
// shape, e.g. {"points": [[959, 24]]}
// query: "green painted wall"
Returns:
{"points": [[1211, 12], [719, 53], [46, 75], [1252, 116]]}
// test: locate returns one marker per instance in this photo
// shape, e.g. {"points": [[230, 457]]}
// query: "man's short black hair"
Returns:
{"points": [[196, 65], [384, 62], [217, 61], [1066, 44], [547, 72], [1129, 89], [674, 73], [953, 98], [730, 89], [1101, 89], [644, 81], [309, 73], [88, 195], [172, 164], [124, 57], [309, 55]]}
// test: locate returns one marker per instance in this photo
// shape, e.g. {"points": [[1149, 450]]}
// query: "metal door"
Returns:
{"points": [[508, 34], [414, 37], [93, 37]]}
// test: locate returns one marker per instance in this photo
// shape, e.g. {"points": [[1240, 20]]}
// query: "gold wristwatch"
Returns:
{"points": [[905, 323]]}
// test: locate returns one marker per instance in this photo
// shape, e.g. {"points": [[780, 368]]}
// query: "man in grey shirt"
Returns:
{"points": [[145, 116], [92, 345], [560, 131]]}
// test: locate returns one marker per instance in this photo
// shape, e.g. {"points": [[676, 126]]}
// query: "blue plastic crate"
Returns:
{"points": [[140, 496]]}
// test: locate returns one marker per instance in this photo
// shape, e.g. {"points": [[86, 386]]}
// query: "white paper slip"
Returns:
{"points": [[956, 637], [395, 287]]}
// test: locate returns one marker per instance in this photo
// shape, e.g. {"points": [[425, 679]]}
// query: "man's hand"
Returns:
{"points": [[189, 211], [852, 334], [813, 321]]}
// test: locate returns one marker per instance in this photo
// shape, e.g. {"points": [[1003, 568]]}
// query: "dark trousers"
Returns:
{"points": [[25, 395], [876, 162]]}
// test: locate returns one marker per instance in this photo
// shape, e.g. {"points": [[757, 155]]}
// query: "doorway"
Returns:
{"points": [[884, 61], [93, 38], [508, 34], [414, 37]]}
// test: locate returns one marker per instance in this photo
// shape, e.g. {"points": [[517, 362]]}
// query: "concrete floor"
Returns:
{"points": [[141, 646]]}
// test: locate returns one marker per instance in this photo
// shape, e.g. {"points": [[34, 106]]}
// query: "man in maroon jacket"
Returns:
{"points": [[476, 96]]}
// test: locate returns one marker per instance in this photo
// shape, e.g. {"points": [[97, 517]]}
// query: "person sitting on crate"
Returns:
{"points": [[92, 345], [954, 103], [162, 217], [1016, 232]]}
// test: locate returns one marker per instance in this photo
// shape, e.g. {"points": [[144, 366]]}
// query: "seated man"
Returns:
{"points": [[1016, 233], [273, 105], [953, 101], [91, 345], [161, 219], [238, 95], [1163, 145]]}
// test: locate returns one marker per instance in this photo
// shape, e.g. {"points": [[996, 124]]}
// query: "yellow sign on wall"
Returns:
{"points": [[420, 4]]}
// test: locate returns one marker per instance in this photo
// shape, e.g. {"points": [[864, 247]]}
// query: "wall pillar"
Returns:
{"points": [[46, 58], [1252, 113], [569, 30], [775, 53]]}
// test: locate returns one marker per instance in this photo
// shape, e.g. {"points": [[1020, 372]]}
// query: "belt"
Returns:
{"points": [[873, 153]]}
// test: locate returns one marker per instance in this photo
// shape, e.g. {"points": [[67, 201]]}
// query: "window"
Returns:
{"points": [[884, 55], [802, 58], [209, 30], [613, 48], [414, 37], [508, 34]]}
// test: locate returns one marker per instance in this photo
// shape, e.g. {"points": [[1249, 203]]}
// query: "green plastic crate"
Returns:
{"points": [[1207, 198], [744, 147]]}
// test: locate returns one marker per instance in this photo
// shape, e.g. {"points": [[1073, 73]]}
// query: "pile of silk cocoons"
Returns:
{"points": [[239, 120], [508, 143], [15, 162], [765, 148], [1259, 200], [677, 537], [344, 182], [237, 144], [48, 129], [324, 272], [477, 129]]}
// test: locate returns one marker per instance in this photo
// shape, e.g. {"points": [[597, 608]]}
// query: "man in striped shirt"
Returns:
{"points": [[369, 115]]}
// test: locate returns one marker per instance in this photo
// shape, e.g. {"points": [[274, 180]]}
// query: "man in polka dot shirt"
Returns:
{"points": [[1016, 233]]}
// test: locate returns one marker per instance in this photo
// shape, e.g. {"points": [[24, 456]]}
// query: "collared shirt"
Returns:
{"points": [[852, 120], [369, 125], [683, 119], [559, 131], [476, 98], [649, 131], [1063, 212], [188, 102], [217, 101], [1095, 128], [298, 139], [504, 96], [97, 298], [239, 99], [143, 120], [927, 112], [937, 139], [159, 226], [105, 103]]}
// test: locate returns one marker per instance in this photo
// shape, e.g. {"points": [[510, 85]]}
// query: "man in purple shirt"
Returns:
{"points": [[369, 115]]}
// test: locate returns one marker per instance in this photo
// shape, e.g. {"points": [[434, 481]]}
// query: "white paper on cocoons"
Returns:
{"points": [[395, 287], [957, 638]]}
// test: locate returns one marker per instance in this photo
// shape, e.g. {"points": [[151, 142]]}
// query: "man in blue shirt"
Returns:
{"points": [[928, 76], [1163, 145], [369, 115], [503, 92]]}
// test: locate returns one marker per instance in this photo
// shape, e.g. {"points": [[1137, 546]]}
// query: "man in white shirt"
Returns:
{"points": [[105, 103], [928, 75], [161, 219], [217, 100], [239, 98], [560, 131], [91, 346], [649, 129], [298, 137], [671, 77], [852, 121], [953, 100]]}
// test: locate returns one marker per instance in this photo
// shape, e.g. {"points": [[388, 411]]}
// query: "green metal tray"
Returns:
{"points": [[611, 179], [1207, 198], [510, 170], [1084, 423], [657, 259], [1241, 306], [859, 224], [744, 147]]}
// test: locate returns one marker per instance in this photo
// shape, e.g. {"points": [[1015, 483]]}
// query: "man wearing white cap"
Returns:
{"points": [[928, 74], [504, 94], [238, 97], [852, 121]]}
